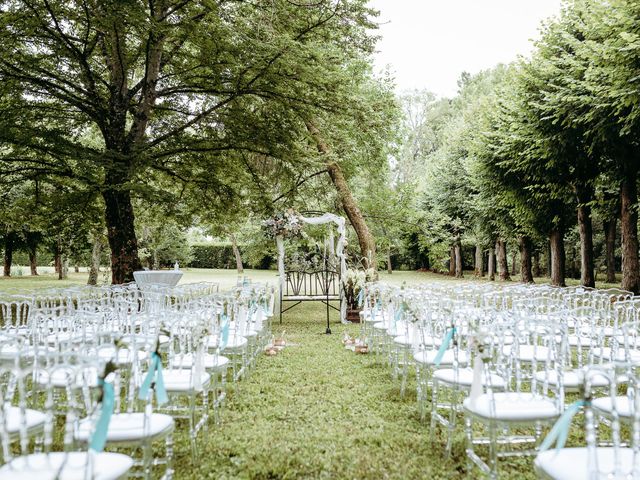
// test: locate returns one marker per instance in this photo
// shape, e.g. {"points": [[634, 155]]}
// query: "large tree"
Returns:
{"points": [[174, 89]]}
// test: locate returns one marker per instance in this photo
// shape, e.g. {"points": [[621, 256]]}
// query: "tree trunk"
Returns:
{"points": [[536, 264], [629, 234], [457, 248], [610, 241], [491, 265], [526, 274], [452, 261], [236, 253], [33, 261], [96, 253], [479, 267], [349, 204], [389, 266], [64, 268], [556, 243], [8, 253], [32, 239], [76, 268], [121, 234], [365, 239], [57, 262], [586, 238], [501, 257], [514, 259]]}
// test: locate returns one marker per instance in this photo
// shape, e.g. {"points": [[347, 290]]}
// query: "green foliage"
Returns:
{"points": [[221, 256]]}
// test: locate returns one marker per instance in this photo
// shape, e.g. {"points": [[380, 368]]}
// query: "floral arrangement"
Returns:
{"points": [[353, 282], [286, 225]]}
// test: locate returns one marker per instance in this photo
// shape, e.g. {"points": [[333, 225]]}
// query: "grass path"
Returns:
{"points": [[319, 411]]}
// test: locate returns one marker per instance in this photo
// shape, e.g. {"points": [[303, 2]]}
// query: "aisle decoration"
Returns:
{"points": [[288, 225]]}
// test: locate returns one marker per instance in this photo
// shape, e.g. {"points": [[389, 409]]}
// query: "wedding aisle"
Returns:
{"points": [[319, 411]]}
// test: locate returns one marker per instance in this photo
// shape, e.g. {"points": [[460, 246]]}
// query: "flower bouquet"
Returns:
{"points": [[353, 283], [286, 225]]}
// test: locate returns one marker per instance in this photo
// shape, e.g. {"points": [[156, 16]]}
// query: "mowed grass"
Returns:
{"points": [[316, 410]]}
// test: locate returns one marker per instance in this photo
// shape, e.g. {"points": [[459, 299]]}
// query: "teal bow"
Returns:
{"points": [[399, 312], [265, 306], [360, 297], [154, 374], [443, 347], [99, 437], [560, 430], [224, 337]]}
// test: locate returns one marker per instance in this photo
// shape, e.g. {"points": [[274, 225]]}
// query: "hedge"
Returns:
{"points": [[221, 256]]}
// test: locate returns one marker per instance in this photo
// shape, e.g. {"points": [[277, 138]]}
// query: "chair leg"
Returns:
{"points": [[168, 442], [493, 452]]}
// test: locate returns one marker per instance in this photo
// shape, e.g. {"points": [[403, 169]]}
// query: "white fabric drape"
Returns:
{"points": [[280, 244], [339, 252]]}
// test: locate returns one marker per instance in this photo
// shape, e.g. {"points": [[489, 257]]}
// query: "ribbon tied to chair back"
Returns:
{"points": [[154, 376]]}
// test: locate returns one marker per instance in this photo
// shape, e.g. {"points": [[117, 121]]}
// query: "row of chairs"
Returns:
{"points": [[86, 369], [504, 363]]}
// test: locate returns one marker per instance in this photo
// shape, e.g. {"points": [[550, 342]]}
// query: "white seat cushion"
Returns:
{"points": [[180, 380], [125, 356], [464, 377], [513, 407], [572, 380], [128, 427], [605, 405], [427, 357], [572, 463], [575, 340], [210, 361], [34, 419], [40, 466], [236, 342], [526, 352], [61, 377], [402, 340], [607, 354]]}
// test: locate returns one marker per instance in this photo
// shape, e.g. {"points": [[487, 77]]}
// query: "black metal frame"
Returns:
{"points": [[311, 286], [298, 281]]}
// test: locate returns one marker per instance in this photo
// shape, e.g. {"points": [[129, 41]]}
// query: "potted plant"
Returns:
{"points": [[352, 284]]}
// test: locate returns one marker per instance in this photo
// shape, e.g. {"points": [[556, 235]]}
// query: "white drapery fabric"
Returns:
{"points": [[339, 252]]}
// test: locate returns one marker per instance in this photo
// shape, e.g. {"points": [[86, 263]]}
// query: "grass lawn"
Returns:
{"points": [[314, 411]]}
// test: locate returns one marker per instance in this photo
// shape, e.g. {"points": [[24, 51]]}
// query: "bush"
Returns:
{"points": [[212, 256]]}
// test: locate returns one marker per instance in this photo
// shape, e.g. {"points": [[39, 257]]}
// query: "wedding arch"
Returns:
{"points": [[315, 284]]}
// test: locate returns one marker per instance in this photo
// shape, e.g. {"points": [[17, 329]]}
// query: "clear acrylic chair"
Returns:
{"points": [[452, 383], [186, 379], [499, 419], [593, 461], [17, 410], [134, 425]]}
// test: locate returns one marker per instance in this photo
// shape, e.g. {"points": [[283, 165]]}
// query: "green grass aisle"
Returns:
{"points": [[318, 411]]}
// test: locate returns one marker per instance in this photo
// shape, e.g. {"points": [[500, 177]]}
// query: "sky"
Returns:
{"points": [[428, 43]]}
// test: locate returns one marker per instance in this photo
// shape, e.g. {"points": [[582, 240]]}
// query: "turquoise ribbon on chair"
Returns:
{"points": [[560, 430], [360, 298], [154, 374], [265, 305], [399, 313], [99, 437], [443, 347], [224, 336]]}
